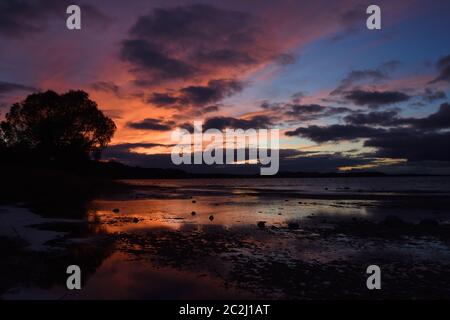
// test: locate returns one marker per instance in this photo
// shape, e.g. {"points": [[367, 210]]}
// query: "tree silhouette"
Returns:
{"points": [[49, 126]]}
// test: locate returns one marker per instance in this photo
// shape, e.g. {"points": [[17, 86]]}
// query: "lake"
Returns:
{"points": [[246, 238]]}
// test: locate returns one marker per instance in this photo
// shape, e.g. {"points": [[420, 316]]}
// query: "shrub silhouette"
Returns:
{"points": [[49, 126]]}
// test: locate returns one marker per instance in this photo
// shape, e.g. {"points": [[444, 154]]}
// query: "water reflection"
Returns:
{"points": [[174, 214], [224, 242], [121, 276]]}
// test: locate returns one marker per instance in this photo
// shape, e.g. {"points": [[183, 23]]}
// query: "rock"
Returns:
{"points": [[193, 201], [116, 210], [261, 224], [211, 217], [193, 213], [135, 220], [293, 225], [429, 223]]}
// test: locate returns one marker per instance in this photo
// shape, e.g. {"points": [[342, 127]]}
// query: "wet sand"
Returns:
{"points": [[188, 240]]}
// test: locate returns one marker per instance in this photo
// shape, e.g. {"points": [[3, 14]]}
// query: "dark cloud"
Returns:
{"points": [[273, 106], [94, 17], [382, 118], [444, 62], [335, 132], [147, 56], [152, 124], [198, 41], [444, 75], [353, 16], [351, 21], [163, 99], [298, 96], [255, 122], [197, 112], [313, 111], [20, 18], [375, 98], [370, 76], [357, 76], [431, 95], [209, 109], [177, 42], [199, 22], [360, 125], [106, 86], [412, 145], [443, 66], [306, 108], [295, 111], [438, 120], [226, 57], [6, 87], [214, 91], [414, 139]]}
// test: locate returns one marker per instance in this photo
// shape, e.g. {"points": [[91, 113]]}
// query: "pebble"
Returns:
{"points": [[261, 224]]}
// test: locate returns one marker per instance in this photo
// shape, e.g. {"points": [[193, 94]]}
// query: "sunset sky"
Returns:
{"points": [[343, 96]]}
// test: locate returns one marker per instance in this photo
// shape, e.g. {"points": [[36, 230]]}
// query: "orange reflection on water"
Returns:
{"points": [[226, 212], [122, 277], [135, 215]]}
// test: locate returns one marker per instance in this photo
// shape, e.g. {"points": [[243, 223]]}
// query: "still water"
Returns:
{"points": [[254, 238]]}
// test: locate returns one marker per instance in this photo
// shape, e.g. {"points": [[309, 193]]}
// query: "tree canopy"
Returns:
{"points": [[52, 126]]}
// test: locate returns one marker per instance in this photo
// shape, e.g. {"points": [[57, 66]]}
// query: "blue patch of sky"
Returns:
{"points": [[417, 42]]}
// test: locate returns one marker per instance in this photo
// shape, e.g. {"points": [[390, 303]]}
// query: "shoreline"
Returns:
{"points": [[265, 245]]}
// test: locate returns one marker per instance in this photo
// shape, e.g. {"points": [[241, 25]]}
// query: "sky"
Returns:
{"points": [[344, 97]]}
